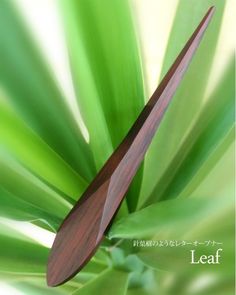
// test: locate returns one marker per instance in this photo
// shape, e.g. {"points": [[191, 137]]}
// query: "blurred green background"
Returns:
{"points": [[74, 75]]}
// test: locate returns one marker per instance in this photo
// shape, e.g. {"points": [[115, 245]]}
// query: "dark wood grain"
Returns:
{"points": [[82, 230]]}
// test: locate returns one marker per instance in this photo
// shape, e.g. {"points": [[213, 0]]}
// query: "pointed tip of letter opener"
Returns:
{"points": [[82, 230]]}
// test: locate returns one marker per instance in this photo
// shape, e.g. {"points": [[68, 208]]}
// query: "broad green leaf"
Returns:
{"points": [[188, 101], [101, 257], [35, 284], [177, 259], [170, 219], [18, 209], [31, 189], [38, 287], [108, 280], [214, 284], [211, 127], [9, 230], [94, 267], [36, 155], [207, 183], [204, 229], [210, 188], [107, 74], [19, 256], [167, 218], [22, 258], [33, 92], [109, 79]]}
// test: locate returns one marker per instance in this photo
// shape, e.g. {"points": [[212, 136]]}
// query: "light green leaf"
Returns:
{"points": [[171, 219], [23, 210], [155, 218], [188, 101], [178, 258], [36, 155], [108, 280], [23, 259], [107, 74], [215, 121], [33, 92], [108, 80], [207, 182], [35, 284], [39, 287], [30, 189], [19, 256]]}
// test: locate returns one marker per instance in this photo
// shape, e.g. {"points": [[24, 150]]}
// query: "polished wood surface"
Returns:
{"points": [[82, 230]]}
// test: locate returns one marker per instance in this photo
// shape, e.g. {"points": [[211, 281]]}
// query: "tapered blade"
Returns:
{"points": [[82, 230]]}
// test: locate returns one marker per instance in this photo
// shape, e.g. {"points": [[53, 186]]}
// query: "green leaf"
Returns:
{"points": [[33, 93], [38, 287], [166, 218], [108, 79], [208, 180], [21, 256], [17, 139], [30, 189], [94, 267], [23, 210], [173, 218], [188, 101], [108, 280], [155, 218], [177, 258], [35, 284], [24, 260], [216, 208], [216, 119]]}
